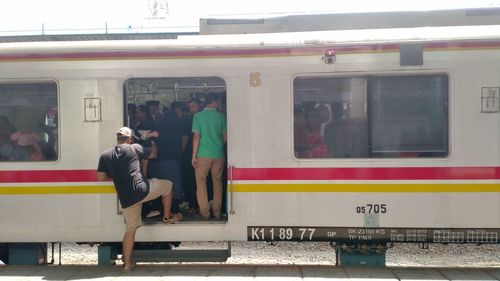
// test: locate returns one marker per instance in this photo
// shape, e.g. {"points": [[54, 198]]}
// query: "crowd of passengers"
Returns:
{"points": [[26, 145], [172, 131], [311, 121]]}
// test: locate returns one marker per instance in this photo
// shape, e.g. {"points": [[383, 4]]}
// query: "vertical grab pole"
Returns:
{"points": [[52, 260], [231, 210]]}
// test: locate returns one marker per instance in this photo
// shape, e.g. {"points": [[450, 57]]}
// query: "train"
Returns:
{"points": [[352, 137]]}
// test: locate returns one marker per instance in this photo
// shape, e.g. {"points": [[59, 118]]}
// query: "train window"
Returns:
{"points": [[330, 117], [409, 116], [371, 116], [28, 121]]}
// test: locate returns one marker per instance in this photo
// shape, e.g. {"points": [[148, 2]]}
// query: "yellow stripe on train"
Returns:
{"points": [[80, 189], [276, 187], [363, 187]]}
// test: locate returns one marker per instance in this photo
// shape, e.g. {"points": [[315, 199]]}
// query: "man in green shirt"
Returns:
{"points": [[209, 135]]}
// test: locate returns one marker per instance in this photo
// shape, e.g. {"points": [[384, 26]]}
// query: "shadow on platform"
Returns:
{"points": [[242, 272]]}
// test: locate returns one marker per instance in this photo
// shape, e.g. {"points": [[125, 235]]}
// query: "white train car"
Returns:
{"points": [[354, 136]]}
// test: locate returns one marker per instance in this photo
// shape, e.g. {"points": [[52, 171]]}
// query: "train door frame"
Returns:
{"points": [[199, 87]]}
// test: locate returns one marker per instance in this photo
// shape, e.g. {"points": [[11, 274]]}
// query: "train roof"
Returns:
{"points": [[270, 40], [350, 20]]}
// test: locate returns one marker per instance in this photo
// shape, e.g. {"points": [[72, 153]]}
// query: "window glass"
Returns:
{"points": [[28, 122], [363, 117], [330, 117], [409, 116]]}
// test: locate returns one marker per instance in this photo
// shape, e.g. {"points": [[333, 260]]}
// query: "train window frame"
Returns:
{"points": [[447, 121], [57, 146]]}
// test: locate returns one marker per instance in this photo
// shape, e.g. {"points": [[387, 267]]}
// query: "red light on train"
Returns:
{"points": [[329, 57], [330, 53]]}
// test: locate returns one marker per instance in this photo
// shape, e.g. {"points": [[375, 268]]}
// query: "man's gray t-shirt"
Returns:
{"points": [[122, 164]]}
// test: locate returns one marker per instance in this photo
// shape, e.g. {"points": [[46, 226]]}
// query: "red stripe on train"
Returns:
{"points": [[405, 173], [410, 173], [48, 176], [283, 51], [147, 54]]}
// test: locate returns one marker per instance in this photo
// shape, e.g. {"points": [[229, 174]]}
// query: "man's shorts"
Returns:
{"points": [[132, 214], [168, 170]]}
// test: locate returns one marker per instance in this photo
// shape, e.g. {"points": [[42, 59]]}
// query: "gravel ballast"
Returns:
{"points": [[320, 253]]}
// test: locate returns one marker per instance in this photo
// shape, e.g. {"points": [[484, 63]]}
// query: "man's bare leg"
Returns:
{"points": [[167, 203], [128, 246]]}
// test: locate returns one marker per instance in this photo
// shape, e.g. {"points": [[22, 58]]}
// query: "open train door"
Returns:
{"points": [[151, 103]]}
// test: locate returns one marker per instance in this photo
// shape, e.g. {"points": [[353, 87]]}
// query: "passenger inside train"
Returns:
{"points": [[371, 117], [28, 122], [171, 131]]}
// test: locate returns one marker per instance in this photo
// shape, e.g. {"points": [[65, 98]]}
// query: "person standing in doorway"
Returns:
{"points": [[144, 125], [132, 119], [167, 164], [194, 106], [209, 135], [187, 170], [154, 110], [122, 164]]}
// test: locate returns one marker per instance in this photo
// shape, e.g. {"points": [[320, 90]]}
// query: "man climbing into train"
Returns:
{"points": [[122, 164]]}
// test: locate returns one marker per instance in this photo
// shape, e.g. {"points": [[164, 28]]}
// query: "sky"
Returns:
{"points": [[20, 17]]}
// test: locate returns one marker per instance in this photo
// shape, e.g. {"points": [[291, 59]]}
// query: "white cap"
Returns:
{"points": [[126, 132]]}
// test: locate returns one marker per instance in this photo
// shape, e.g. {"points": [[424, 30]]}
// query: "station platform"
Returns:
{"points": [[173, 272]]}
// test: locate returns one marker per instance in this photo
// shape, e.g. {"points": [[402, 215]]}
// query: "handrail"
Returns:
{"points": [[231, 209]]}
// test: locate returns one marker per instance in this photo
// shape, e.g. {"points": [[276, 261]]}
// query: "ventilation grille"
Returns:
{"points": [[234, 21], [483, 12]]}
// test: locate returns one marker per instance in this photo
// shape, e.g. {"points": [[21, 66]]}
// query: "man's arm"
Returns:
{"points": [[196, 144], [144, 167], [102, 171], [154, 150], [152, 155], [103, 176], [186, 132]]}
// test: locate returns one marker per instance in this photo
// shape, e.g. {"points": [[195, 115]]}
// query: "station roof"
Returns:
{"points": [[351, 21], [92, 37], [290, 23]]}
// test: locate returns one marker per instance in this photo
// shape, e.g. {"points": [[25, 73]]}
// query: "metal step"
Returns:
{"points": [[183, 255], [162, 252]]}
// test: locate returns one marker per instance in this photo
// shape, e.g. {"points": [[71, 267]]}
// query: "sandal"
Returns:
{"points": [[129, 268], [177, 217]]}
